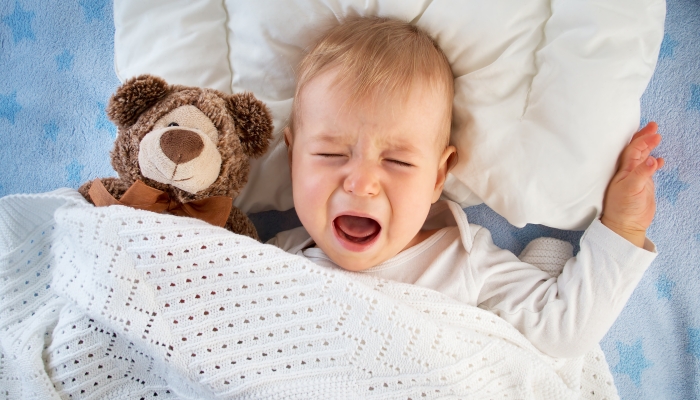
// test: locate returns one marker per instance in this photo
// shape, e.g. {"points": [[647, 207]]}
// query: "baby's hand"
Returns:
{"points": [[629, 204]]}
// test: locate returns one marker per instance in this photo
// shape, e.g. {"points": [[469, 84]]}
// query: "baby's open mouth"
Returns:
{"points": [[358, 230]]}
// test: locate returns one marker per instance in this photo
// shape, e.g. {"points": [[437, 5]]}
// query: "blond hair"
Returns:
{"points": [[378, 57]]}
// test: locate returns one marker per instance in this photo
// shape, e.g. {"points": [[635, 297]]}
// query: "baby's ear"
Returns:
{"points": [[253, 121], [134, 97], [452, 160], [447, 161], [289, 141]]}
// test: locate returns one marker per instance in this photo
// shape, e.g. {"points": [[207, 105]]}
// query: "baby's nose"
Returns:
{"points": [[362, 181]]}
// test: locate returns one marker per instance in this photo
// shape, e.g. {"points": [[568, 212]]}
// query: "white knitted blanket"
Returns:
{"points": [[120, 303]]}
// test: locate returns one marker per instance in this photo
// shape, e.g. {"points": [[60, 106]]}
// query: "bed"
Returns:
{"points": [[58, 74]]}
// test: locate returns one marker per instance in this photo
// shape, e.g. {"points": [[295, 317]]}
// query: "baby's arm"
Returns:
{"points": [[562, 316], [629, 204], [568, 315]]}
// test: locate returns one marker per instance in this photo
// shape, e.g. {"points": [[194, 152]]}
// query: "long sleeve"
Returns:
{"points": [[564, 316]]}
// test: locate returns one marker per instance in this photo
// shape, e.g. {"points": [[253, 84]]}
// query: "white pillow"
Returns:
{"points": [[547, 93]]}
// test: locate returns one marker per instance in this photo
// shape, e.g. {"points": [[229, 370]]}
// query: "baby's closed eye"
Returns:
{"points": [[330, 154], [393, 161], [399, 162]]}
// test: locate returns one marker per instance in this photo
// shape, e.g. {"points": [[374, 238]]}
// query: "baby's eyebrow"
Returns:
{"points": [[332, 138], [402, 146], [398, 146]]}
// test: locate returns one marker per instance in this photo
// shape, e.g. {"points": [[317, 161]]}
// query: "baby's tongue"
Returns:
{"points": [[357, 226]]}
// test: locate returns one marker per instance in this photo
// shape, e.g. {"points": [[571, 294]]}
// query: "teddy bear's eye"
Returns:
{"points": [[173, 124]]}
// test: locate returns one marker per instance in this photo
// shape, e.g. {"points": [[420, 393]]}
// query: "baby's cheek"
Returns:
{"points": [[309, 200], [411, 203], [308, 190]]}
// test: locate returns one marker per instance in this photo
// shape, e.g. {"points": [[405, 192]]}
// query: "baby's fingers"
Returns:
{"points": [[643, 172], [651, 127], [638, 150]]}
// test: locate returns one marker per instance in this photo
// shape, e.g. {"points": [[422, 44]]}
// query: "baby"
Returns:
{"points": [[368, 147]]}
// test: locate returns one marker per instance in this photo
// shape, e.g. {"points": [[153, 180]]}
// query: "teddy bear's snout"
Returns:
{"points": [[181, 145]]}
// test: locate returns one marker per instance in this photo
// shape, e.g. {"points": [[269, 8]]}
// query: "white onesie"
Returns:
{"points": [[563, 316]]}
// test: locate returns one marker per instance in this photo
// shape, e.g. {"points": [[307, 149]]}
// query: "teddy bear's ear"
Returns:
{"points": [[253, 120], [134, 97]]}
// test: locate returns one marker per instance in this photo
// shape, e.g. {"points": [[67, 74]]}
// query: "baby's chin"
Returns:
{"points": [[354, 264], [355, 261], [360, 261]]}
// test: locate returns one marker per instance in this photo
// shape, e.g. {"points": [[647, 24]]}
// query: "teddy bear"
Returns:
{"points": [[182, 150]]}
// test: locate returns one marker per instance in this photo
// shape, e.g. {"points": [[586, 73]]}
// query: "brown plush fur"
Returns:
{"points": [[243, 122]]}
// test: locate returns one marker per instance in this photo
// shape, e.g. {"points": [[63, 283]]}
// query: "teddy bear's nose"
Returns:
{"points": [[181, 145]]}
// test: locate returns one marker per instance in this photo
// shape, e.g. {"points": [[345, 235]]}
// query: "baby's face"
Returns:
{"points": [[364, 176]]}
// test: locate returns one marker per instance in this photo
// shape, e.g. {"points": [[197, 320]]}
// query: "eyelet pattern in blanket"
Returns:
{"points": [[115, 302]]}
